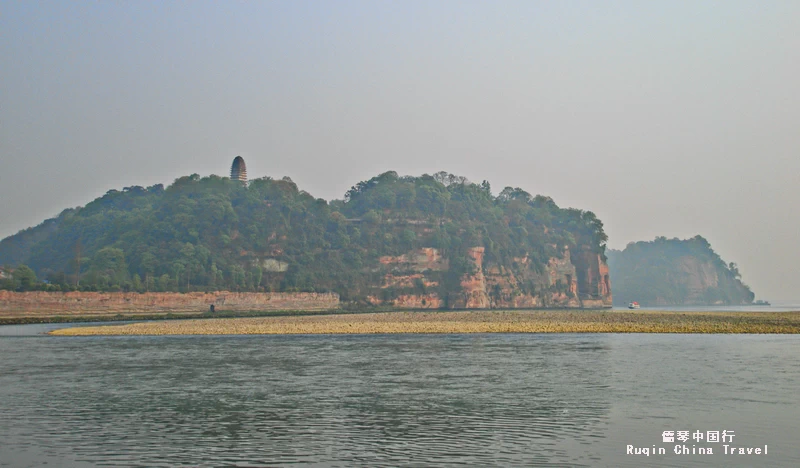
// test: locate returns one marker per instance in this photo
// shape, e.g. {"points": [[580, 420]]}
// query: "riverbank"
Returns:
{"points": [[507, 321], [134, 317]]}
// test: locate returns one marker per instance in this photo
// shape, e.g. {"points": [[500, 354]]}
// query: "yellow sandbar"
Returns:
{"points": [[485, 321]]}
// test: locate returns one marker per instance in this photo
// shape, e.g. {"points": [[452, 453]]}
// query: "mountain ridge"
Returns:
{"points": [[666, 272]]}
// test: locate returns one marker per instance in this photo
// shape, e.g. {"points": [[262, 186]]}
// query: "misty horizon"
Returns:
{"points": [[663, 119]]}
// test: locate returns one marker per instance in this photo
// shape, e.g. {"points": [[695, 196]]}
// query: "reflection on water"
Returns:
{"points": [[486, 400]]}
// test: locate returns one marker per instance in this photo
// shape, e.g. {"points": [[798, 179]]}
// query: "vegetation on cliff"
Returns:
{"points": [[675, 272], [212, 233]]}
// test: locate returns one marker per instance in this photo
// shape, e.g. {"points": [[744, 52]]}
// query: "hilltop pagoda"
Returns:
{"points": [[239, 170]]}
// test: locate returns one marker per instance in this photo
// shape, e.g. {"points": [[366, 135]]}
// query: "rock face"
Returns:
{"points": [[422, 259], [594, 283], [418, 277], [473, 287], [42, 303], [699, 277]]}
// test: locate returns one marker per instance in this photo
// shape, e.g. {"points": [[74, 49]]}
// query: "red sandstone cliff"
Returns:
{"points": [[575, 281], [594, 283]]}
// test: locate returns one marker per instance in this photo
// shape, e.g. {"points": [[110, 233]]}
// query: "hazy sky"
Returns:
{"points": [[664, 118]]}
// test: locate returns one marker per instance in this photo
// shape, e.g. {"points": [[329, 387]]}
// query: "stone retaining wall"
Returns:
{"points": [[76, 303]]}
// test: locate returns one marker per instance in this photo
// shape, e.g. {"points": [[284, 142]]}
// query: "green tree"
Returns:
{"points": [[25, 278], [109, 267]]}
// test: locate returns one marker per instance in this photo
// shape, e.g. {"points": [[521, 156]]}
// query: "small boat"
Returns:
{"points": [[760, 303], [633, 305]]}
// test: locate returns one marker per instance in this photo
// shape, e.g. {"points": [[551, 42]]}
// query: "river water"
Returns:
{"points": [[401, 400], [791, 306]]}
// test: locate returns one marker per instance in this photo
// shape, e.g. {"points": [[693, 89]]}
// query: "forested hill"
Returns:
{"points": [[675, 272], [213, 233]]}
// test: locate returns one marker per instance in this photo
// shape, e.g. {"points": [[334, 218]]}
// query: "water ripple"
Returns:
{"points": [[332, 401]]}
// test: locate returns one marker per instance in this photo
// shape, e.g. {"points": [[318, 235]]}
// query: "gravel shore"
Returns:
{"points": [[501, 321]]}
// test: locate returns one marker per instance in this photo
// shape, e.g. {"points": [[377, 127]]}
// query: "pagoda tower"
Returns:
{"points": [[239, 170]]}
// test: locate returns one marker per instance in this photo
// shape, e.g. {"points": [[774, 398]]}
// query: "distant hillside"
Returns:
{"points": [[16, 249], [428, 241], [675, 272]]}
